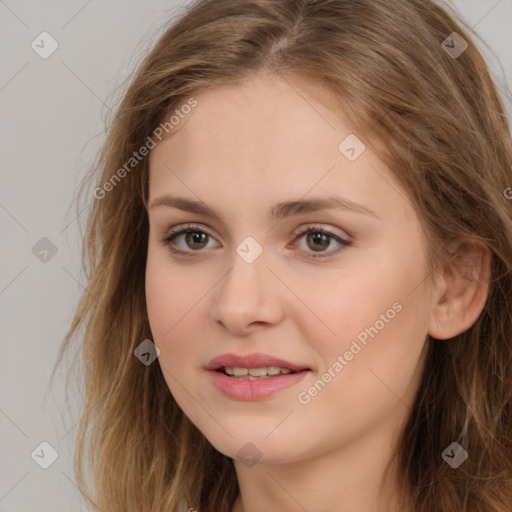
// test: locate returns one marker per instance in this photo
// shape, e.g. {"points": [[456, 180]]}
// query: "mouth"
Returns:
{"points": [[264, 372], [252, 377], [247, 387]]}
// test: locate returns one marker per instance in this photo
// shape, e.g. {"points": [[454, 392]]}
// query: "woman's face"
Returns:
{"points": [[345, 306]]}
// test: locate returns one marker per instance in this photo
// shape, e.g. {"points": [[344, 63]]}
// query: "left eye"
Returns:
{"points": [[320, 239], [317, 239]]}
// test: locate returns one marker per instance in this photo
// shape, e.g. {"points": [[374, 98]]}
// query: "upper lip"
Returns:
{"points": [[251, 361]]}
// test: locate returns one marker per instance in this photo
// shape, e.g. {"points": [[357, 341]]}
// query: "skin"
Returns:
{"points": [[243, 149]]}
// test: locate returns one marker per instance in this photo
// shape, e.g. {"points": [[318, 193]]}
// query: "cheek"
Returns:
{"points": [[167, 308], [348, 303], [376, 313], [160, 298], [380, 335], [175, 299], [169, 316]]}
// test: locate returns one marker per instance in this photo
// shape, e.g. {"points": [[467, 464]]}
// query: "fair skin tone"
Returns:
{"points": [[243, 149]]}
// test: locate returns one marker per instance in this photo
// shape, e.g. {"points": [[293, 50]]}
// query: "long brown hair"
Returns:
{"points": [[444, 135]]}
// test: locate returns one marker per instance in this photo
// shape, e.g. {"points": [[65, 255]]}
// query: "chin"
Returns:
{"points": [[251, 449]]}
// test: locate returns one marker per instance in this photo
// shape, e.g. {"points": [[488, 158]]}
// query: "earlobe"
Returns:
{"points": [[464, 288]]}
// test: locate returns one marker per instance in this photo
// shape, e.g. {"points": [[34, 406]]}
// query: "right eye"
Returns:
{"points": [[194, 238]]}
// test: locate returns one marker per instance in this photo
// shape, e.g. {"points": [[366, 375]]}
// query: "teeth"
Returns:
{"points": [[252, 373], [258, 372]]}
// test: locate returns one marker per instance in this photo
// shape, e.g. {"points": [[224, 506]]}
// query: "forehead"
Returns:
{"points": [[249, 109], [268, 139], [263, 123]]}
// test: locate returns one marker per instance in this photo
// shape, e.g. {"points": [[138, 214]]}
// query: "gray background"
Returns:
{"points": [[51, 128]]}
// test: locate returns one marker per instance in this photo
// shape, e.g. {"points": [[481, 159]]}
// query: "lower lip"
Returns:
{"points": [[245, 389]]}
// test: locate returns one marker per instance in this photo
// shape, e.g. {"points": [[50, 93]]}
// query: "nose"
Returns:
{"points": [[248, 298]]}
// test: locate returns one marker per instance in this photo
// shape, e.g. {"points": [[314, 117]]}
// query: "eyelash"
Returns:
{"points": [[190, 228]]}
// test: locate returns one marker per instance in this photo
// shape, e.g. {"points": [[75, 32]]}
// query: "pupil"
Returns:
{"points": [[317, 239], [194, 237]]}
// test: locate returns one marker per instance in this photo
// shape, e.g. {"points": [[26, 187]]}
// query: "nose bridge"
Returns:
{"points": [[245, 279], [246, 294]]}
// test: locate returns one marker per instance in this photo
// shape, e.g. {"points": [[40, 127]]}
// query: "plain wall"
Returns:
{"points": [[51, 128]]}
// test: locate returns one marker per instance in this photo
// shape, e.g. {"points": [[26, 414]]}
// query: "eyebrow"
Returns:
{"points": [[277, 212]]}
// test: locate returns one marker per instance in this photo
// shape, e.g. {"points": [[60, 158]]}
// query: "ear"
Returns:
{"points": [[460, 297]]}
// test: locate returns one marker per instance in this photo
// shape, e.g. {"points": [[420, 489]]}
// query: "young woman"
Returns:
{"points": [[299, 259]]}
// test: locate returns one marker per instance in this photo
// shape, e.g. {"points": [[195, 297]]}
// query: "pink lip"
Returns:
{"points": [[240, 389], [251, 361], [245, 389]]}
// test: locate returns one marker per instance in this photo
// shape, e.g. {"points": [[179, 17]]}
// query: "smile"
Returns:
{"points": [[264, 372]]}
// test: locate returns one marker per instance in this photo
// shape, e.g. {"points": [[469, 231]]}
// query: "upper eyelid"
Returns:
{"points": [[183, 227], [299, 231]]}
